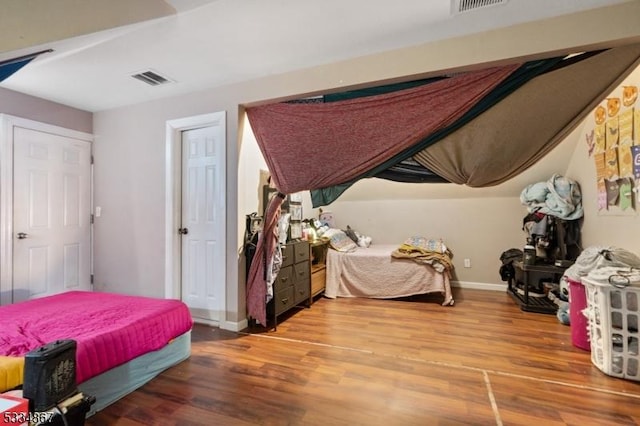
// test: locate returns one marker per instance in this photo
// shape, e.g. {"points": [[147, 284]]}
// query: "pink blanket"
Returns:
{"points": [[110, 329]]}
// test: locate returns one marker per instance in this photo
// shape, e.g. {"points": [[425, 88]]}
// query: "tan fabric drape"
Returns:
{"points": [[522, 128]]}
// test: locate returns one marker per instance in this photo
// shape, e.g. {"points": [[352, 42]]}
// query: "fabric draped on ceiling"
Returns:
{"points": [[402, 167], [318, 145], [11, 66], [560, 90], [522, 128], [7, 70]]}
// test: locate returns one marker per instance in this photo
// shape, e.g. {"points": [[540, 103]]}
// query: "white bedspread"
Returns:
{"points": [[372, 272]]}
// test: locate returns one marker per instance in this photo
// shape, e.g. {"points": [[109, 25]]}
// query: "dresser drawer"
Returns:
{"points": [[301, 251], [301, 271], [302, 290], [284, 279], [287, 255], [283, 300]]}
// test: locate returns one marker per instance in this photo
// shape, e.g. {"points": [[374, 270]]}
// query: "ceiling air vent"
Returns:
{"points": [[459, 6], [152, 77]]}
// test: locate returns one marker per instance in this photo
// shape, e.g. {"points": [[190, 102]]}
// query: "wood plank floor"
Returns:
{"points": [[387, 362]]}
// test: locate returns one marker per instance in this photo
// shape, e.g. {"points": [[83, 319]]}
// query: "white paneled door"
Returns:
{"points": [[51, 214], [203, 221]]}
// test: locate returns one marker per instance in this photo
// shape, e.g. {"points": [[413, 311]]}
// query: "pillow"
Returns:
{"points": [[341, 242], [330, 232]]}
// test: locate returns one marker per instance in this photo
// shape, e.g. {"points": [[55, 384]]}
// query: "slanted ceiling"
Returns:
{"points": [[25, 23]]}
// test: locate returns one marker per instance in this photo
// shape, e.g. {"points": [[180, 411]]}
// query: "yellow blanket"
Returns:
{"points": [[426, 250], [11, 372]]}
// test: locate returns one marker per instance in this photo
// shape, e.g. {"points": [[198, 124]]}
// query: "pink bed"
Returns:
{"points": [[110, 329]]}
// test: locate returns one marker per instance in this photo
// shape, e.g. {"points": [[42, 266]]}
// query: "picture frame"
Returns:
{"points": [[296, 211], [295, 230], [296, 197]]}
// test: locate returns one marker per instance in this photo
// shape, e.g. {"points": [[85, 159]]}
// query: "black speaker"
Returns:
{"points": [[50, 374]]}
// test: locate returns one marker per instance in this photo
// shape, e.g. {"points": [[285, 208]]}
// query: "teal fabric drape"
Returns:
{"points": [[11, 66]]}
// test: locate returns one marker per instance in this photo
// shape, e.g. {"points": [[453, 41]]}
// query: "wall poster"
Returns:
{"points": [[614, 145]]}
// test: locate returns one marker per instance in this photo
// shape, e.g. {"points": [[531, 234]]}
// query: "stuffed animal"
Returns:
{"points": [[563, 308], [563, 314], [364, 241]]}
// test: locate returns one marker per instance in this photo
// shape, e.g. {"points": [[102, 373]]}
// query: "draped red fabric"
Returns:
{"points": [[256, 281], [317, 145]]}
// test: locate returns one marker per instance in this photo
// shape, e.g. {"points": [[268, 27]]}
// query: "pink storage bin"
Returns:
{"points": [[579, 322]]}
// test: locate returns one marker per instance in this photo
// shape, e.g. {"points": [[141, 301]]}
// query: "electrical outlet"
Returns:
{"points": [[467, 263]]}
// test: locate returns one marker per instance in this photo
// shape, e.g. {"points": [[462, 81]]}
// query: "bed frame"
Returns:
{"points": [[120, 381]]}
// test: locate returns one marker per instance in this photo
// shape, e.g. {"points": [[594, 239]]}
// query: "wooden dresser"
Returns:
{"points": [[293, 283]]}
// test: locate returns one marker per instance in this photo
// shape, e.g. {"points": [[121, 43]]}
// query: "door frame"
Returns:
{"points": [[173, 206], [7, 124]]}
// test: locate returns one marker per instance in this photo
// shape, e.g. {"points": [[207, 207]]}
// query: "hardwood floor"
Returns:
{"points": [[387, 362]]}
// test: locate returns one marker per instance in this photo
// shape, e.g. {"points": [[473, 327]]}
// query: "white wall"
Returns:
{"points": [[479, 229], [604, 228], [130, 167], [25, 106]]}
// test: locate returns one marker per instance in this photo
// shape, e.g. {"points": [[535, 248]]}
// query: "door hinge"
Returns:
{"points": [[91, 279], [92, 219], [92, 159]]}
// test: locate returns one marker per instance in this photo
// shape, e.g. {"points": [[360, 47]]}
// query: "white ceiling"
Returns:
{"points": [[211, 43]]}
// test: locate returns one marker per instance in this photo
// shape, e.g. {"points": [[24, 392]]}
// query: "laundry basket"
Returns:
{"points": [[613, 311]]}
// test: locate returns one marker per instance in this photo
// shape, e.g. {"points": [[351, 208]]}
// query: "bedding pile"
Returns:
{"points": [[426, 250]]}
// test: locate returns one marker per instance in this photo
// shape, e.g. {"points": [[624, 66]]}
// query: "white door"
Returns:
{"points": [[203, 220], [51, 214]]}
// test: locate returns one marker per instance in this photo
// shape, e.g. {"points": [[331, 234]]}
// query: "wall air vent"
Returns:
{"points": [[459, 6], [152, 78]]}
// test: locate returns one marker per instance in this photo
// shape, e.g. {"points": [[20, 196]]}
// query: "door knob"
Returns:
{"points": [[22, 235], [183, 231]]}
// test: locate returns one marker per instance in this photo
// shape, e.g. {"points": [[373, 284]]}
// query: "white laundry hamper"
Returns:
{"points": [[613, 313]]}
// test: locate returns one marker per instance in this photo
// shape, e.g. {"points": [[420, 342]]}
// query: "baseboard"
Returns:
{"points": [[479, 286], [205, 321], [234, 326]]}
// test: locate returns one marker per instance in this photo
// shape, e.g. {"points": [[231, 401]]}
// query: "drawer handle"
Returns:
{"points": [[284, 279], [285, 300]]}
